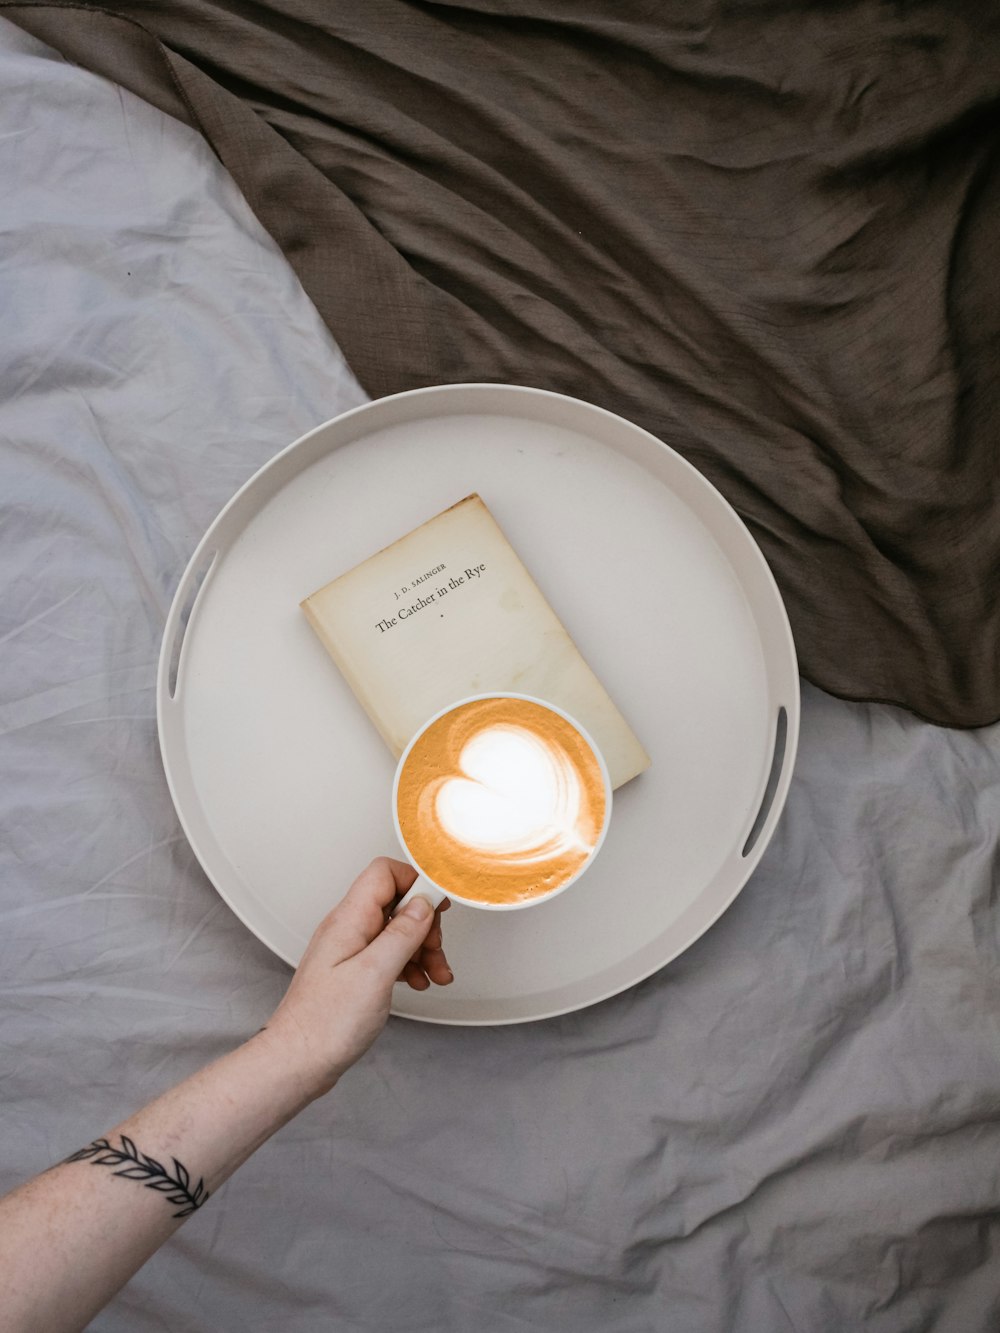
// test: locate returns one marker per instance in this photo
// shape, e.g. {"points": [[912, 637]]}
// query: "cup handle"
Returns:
{"points": [[426, 889]]}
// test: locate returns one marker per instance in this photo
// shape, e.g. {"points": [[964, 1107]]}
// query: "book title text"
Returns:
{"points": [[430, 596]]}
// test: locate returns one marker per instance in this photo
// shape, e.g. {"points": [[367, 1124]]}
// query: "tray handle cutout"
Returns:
{"points": [[185, 601], [767, 800]]}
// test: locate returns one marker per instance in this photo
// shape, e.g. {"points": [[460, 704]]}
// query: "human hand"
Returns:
{"points": [[338, 1000]]}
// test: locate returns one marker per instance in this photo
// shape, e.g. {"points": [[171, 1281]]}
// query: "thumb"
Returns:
{"points": [[402, 937]]}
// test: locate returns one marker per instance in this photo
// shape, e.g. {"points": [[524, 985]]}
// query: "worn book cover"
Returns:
{"points": [[447, 611]]}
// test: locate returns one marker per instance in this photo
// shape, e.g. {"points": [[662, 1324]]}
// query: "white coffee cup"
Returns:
{"points": [[435, 893]]}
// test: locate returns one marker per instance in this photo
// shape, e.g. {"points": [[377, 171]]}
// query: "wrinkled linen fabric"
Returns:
{"points": [[766, 232], [793, 1126]]}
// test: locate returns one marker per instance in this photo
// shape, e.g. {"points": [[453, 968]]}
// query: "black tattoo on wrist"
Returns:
{"points": [[137, 1166]]}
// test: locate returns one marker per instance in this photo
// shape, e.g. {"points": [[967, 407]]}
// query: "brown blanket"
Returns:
{"points": [[767, 232]]}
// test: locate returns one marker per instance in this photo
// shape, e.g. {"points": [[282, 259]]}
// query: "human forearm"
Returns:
{"points": [[72, 1236]]}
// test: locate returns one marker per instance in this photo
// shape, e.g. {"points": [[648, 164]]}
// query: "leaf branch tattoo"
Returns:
{"points": [[137, 1166]]}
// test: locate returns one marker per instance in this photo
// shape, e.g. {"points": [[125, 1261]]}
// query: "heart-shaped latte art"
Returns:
{"points": [[515, 797]]}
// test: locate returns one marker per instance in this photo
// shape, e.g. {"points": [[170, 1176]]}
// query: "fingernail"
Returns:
{"points": [[419, 908], [450, 978]]}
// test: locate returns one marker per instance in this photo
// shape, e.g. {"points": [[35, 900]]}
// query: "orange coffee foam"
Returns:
{"points": [[522, 873]]}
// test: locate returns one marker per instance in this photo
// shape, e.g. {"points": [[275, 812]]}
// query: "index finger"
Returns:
{"points": [[360, 915]]}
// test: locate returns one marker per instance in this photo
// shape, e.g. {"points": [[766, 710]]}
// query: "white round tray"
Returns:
{"points": [[282, 784]]}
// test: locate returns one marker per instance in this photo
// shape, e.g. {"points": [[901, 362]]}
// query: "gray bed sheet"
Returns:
{"points": [[796, 1125]]}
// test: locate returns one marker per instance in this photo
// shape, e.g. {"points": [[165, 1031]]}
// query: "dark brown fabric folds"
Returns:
{"points": [[767, 232]]}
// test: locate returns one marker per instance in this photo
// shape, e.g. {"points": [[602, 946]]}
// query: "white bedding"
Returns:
{"points": [[794, 1126]]}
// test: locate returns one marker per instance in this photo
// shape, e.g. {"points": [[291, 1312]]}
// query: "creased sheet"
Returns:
{"points": [[767, 233]]}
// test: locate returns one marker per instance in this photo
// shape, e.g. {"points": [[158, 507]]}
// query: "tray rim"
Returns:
{"points": [[165, 694]]}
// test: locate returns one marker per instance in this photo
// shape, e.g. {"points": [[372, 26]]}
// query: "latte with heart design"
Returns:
{"points": [[501, 800]]}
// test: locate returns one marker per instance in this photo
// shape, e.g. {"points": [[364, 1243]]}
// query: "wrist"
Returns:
{"points": [[294, 1060]]}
